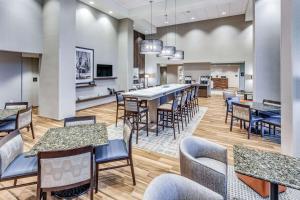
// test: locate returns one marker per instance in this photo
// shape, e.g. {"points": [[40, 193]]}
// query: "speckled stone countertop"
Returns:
{"points": [[272, 167], [71, 137], [4, 113]]}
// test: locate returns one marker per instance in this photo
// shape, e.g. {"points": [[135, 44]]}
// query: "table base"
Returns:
{"points": [[274, 193]]}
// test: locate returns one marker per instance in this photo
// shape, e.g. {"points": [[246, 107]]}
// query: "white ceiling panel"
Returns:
{"points": [[187, 10]]}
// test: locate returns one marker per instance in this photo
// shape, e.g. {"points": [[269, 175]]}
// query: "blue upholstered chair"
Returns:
{"points": [[81, 120], [205, 163], [15, 105], [272, 122], [116, 150], [120, 104], [229, 102], [268, 114], [13, 163], [175, 187]]}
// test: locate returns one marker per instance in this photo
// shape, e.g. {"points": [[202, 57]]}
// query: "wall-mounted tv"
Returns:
{"points": [[104, 70]]}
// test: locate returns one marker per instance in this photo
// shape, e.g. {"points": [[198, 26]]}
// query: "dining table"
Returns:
{"points": [[64, 138], [276, 168]]}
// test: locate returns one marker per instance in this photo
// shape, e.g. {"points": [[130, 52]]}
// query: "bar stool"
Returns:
{"points": [[136, 112], [195, 98], [168, 113], [120, 104]]}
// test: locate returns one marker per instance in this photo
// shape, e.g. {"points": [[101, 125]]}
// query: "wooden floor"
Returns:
{"points": [[117, 184]]}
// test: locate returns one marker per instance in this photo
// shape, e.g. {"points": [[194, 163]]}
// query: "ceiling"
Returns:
{"points": [[186, 11]]}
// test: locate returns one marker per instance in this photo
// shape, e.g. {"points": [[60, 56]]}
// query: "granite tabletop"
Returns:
{"points": [[260, 106], [273, 167], [71, 137], [4, 113]]}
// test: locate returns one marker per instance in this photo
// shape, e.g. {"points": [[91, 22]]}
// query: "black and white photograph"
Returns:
{"points": [[84, 65]]}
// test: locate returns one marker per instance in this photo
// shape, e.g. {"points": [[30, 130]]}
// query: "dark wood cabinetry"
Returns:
{"points": [[220, 83]]}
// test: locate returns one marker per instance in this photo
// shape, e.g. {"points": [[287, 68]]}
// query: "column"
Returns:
{"points": [[290, 77], [125, 54], [57, 73]]}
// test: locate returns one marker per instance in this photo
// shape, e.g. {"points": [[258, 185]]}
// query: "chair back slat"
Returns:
{"points": [[16, 105], [24, 118], [230, 101], [77, 121], [131, 105], [127, 134], [119, 96], [272, 103], [176, 103], [183, 98], [241, 111], [11, 146], [65, 168]]}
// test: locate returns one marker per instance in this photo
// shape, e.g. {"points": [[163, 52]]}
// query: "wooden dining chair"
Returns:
{"points": [[116, 150], [243, 113], [14, 165], [80, 120], [59, 172], [15, 105], [23, 120], [120, 105]]}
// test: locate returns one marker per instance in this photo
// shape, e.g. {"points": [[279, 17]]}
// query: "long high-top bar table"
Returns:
{"points": [[153, 94]]}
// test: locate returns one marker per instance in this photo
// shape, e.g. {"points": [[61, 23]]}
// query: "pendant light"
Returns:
{"points": [[179, 54], [151, 46], [167, 51]]}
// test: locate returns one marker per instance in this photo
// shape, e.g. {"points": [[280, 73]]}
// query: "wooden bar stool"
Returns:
{"points": [[137, 113], [120, 104], [168, 114]]}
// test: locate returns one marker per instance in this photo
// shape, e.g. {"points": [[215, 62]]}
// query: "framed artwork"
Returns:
{"points": [[84, 65]]}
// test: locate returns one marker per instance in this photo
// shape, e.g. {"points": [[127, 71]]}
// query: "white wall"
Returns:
{"points": [[195, 70], [267, 50], [172, 74], [230, 71], [98, 31], [21, 26], [225, 40]]}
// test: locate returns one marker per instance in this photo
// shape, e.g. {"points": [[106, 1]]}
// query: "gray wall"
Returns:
{"points": [[21, 25], [98, 31], [225, 40], [196, 70], [267, 50]]}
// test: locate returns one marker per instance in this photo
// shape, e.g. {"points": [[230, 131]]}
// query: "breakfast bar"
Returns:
{"points": [[153, 95]]}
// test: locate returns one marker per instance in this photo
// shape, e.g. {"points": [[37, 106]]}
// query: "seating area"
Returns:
{"points": [[149, 100]]}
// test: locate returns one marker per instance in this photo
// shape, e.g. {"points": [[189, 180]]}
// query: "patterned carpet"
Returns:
{"points": [[165, 144]]}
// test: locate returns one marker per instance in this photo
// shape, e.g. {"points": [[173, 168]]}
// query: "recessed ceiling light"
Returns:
{"points": [[110, 12], [91, 2], [192, 18], [223, 13]]}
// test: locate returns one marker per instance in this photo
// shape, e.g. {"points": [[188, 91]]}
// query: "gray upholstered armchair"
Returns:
{"points": [[175, 187], [204, 162]]}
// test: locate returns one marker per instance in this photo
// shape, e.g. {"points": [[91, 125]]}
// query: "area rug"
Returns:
{"points": [[165, 144]]}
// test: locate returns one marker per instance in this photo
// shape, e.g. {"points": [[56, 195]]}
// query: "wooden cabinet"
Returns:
{"points": [[220, 83]]}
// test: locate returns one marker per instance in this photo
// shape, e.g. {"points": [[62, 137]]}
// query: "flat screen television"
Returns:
{"points": [[104, 70]]}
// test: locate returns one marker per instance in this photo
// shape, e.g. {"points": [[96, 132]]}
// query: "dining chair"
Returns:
{"points": [[14, 164], [23, 120], [175, 187], [169, 114], [138, 113], [243, 113], [229, 102], [271, 122], [268, 114], [62, 171], [80, 120], [15, 105], [204, 162], [120, 105], [116, 150]]}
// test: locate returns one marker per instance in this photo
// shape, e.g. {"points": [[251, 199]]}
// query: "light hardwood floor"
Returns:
{"points": [[117, 184]]}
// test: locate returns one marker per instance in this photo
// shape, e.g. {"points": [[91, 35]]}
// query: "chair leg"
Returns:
{"points": [[241, 123], [173, 123], [32, 130], [181, 119], [157, 122], [249, 130], [137, 129], [177, 117], [132, 171], [96, 178], [117, 115], [147, 122], [226, 117], [231, 123]]}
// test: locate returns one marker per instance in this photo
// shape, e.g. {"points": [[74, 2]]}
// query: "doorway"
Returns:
{"points": [[163, 75]]}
